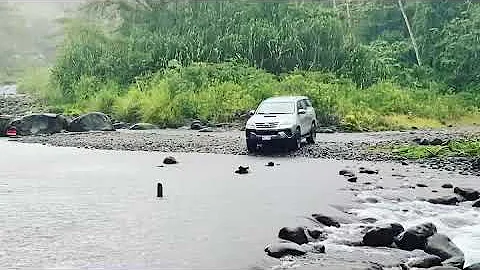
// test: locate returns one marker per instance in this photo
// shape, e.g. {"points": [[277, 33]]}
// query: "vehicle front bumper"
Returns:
{"points": [[261, 135]]}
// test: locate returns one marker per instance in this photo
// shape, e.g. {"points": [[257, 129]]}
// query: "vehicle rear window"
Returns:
{"points": [[276, 108]]}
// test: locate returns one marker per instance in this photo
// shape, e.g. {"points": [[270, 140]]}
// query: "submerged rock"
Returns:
{"points": [[295, 235], [281, 249], [317, 234], [447, 200], [327, 221], [468, 193], [94, 121], [382, 236], [416, 237]]}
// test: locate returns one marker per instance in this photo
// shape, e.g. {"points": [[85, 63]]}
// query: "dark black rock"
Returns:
{"points": [[196, 125], [447, 200], [120, 125], [441, 246], [318, 248], [34, 124], [346, 173], [278, 250], [425, 262], [317, 234], [368, 220], [473, 267], [242, 170], [94, 121], [143, 126], [416, 237], [382, 236], [170, 160], [421, 185], [404, 163], [476, 204], [447, 186], [327, 221], [296, 235], [436, 141], [352, 179], [368, 171], [468, 193], [270, 164]]}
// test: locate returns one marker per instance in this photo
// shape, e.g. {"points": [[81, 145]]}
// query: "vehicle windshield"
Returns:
{"points": [[276, 108]]}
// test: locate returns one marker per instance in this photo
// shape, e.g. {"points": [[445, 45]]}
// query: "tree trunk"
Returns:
{"points": [[410, 32]]}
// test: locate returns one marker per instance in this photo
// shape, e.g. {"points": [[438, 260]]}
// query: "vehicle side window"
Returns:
{"points": [[308, 102], [301, 105]]}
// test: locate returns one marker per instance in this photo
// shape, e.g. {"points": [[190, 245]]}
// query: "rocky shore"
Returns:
{"points": [[345, 146]]}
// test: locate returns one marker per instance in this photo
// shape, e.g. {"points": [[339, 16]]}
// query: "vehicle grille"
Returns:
{"points": [[266, 125]]}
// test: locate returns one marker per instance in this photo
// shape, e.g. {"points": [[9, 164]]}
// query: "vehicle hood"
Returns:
{"points": [[282, 119]]}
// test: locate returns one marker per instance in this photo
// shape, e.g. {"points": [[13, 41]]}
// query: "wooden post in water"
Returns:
{"points": [[159, 190]]}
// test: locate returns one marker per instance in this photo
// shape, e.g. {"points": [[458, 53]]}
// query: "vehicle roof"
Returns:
{"points": [[285, 99]]}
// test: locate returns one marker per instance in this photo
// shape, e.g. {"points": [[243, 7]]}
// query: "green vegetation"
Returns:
{"points": [[459, 148], [166, 62]]}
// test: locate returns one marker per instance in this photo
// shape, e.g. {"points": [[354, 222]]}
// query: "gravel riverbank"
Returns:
{"points": [[347, 146]]}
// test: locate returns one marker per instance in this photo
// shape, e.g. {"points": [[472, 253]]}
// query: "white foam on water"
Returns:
{"points": [[460, 223]]}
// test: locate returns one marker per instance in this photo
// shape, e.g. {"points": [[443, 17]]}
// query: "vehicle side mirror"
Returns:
{"points": [[251, 113], [302, 111]]}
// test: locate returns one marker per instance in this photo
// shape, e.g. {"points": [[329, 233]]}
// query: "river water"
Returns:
{"points": [[63, 208]]}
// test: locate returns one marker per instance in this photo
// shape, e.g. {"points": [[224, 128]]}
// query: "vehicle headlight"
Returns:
{"points": [[250, 125]]}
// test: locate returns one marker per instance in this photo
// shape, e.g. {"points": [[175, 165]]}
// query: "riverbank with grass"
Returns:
{"points": [[224, 92]]}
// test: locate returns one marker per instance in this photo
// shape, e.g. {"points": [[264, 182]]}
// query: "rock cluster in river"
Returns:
{"points": [[460, 195]]}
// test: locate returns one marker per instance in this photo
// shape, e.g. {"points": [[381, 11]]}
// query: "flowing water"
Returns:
{"points": [[86, 209]]}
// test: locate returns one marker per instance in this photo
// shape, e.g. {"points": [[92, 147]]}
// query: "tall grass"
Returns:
{"points": [[221, 92]]}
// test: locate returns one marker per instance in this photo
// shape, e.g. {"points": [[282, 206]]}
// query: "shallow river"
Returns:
{"points": [[77, 208]]}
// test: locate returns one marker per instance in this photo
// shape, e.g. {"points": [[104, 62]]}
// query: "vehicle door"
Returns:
{"points": [[302, 118]]}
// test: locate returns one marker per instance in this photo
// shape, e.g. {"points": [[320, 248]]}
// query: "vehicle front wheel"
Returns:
{"points": [[313, 134], [296, 141], [251, 146]]}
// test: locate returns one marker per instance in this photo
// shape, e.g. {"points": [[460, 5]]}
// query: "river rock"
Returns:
{"points": [[34, 124], [242, 170], [425, 262], [317, 234], [196, 125], [4, 121], [206, 130], [346, 173], [473, 267], [476, 204], [441, 246], [296, 235], [120, 125], [468, 193], [170, 160], [416, 237], [382, 236], [368, 171], [143, 126], [281, 249], [270, 164], [91, 122], [447, 186], [447, 200], [352, 179], [327, 221], [458, 262]]}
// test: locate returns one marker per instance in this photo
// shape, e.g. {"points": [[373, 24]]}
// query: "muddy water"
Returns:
{"points": [[77, 208]]}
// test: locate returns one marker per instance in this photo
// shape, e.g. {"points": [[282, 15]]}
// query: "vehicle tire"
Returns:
{"points": [[251, 146], [296, 141], [313, 134]]}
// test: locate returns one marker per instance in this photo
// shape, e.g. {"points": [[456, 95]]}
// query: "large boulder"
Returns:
{"points": [[278, 250], [468, 193], [197, 125], [416, 237], [4, 121], [296, 235], [382, 236], [34, 124], [441, 246], [91, 122]]}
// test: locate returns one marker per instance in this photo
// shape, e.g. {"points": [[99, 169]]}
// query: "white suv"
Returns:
{"points": [[286, 118]]}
